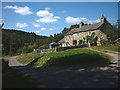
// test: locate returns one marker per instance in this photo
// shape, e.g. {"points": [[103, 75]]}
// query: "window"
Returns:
{"points": [[82, 34], [77, 34], [65, 38], [89, 32], [68, 37]]}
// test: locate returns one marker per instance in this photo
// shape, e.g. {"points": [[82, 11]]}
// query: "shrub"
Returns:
{"points": [[80, 42], [75, 42], [104, 42]]}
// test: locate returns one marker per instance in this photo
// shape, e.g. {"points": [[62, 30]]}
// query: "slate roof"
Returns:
{"points": [[85, 28]]}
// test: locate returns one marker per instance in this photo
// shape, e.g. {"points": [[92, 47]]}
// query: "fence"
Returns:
{"points": [[57, 49], [48, 50]]}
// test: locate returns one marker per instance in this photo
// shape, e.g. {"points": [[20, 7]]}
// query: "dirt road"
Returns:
{"points": [[13, 61], [94, 76]]}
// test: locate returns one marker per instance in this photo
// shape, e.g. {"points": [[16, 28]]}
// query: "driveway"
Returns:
{"points": [[94, 76], [13, 61]]}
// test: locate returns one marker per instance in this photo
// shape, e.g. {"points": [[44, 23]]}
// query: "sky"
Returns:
{"points": [[49, 18]]}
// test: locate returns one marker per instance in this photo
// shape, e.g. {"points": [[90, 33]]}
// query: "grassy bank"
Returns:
{"points": [[115, 48], [16, 79], [71, 57], [28, 57]]}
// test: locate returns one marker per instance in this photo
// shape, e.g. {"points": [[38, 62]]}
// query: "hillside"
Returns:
{"points": [[14, 41]]}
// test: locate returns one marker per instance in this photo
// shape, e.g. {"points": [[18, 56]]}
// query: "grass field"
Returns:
{"points": [[15, 79], [71, 57], [115, 48]]}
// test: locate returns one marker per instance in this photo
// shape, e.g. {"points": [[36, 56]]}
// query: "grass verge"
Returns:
{"points": [[70, 57], [28, 57], [107, 47]]}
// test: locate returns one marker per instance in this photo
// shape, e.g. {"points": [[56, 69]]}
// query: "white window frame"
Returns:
{"points": [[65, 38], [68, 37], [77, 42], [77, 34], [82, 33], [89, 33]]}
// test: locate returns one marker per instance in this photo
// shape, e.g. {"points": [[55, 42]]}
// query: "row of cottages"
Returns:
{"points": [[83, 30]]}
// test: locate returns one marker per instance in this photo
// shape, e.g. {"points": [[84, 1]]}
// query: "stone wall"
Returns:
{"points": [[98, 33], [69, 39]]}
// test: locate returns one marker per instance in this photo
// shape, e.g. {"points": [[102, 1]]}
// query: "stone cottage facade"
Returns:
{"points": [[84, 30]]}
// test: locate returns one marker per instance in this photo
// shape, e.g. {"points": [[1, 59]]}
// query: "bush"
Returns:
{"points": [[80, 42], [25, 49], [105, 42], [75, 42]]}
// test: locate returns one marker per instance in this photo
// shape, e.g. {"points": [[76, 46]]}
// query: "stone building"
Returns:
{"points": [[84, 30]]}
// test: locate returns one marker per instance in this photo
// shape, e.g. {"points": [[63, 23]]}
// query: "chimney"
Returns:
{"points": [[103, 19], [81, 24]]}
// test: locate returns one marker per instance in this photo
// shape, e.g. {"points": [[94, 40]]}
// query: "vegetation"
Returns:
{"points": [[28, 57], [92, 39], [113, 32], [71, 57], [16, 79], [75, 42], [15, 42], [107, 47]]}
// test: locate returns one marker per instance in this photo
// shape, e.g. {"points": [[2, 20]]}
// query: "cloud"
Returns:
{"points": [[46, 20], [35, 25], [57, 17], [47, 17], [21, 25], [43, 28], [70, 19], [47, 8], [20, 10], [93, 21], [37, 31], [44, 13]]}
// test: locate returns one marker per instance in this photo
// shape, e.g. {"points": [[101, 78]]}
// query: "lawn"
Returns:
{"points": [[16, 79], [72, 57], [107, 47], [28, 57]]}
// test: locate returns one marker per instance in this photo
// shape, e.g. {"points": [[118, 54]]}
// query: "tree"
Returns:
{"points": [[92, 39]]}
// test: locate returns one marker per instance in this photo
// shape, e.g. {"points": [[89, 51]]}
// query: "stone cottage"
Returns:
{"points": [[79, 34]]}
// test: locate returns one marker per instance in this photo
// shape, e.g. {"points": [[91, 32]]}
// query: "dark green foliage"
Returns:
{"points": [[88, 38], [92, 39], [80, 42], [112, 31], [13, 41], [65, 30], [105, 42], [75, 42]]}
